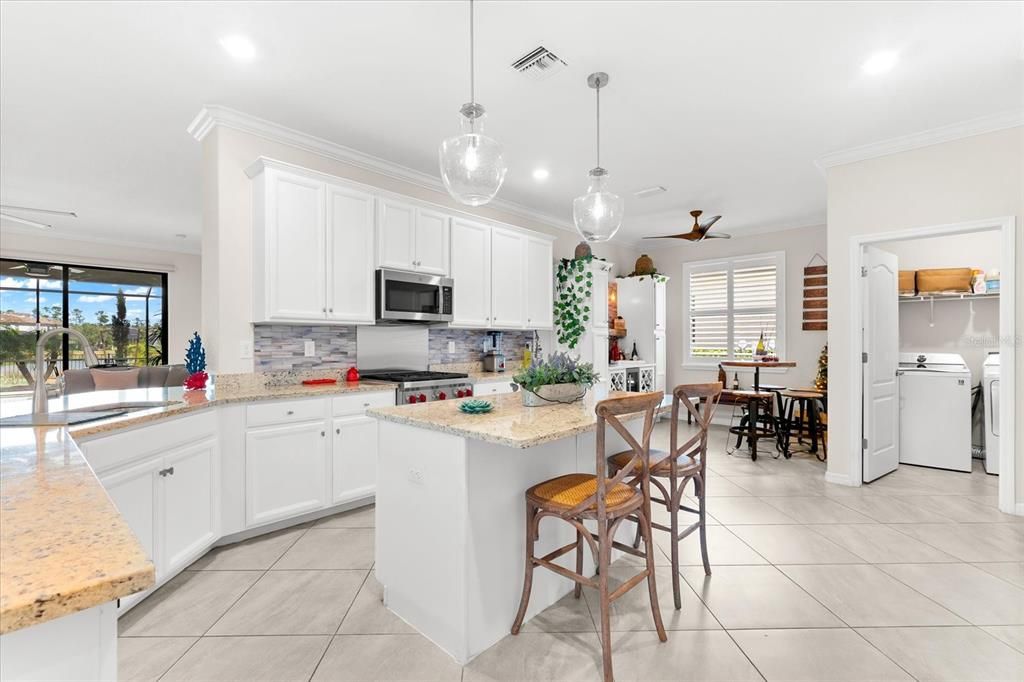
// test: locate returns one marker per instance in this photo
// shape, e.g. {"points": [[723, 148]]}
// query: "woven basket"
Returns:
{"points": [[944, 279], [907, 282], [553, 394]]}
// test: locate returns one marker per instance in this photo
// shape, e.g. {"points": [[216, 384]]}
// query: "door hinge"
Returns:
{"points": [[863, 271], [864, 443], [863, 357]]}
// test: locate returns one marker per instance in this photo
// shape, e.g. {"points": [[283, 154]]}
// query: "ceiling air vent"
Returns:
{"points": [[649, 192], [539, 63]]}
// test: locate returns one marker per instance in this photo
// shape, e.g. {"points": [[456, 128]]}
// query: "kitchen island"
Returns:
{"points": [[450, 538]]}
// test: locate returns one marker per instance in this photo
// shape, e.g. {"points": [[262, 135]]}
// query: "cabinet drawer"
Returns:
{"points": [[285, 411], [493, 387], [357, 403]]}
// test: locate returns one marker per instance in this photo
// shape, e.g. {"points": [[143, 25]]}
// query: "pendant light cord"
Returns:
{"points": [[598, 89], [472, 87]]}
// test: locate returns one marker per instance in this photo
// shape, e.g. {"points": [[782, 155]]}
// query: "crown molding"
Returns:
{"points": [[949, 133], [211, 116], [57, 233]]}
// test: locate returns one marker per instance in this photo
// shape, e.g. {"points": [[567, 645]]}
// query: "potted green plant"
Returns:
{"points": [[560, 378]]}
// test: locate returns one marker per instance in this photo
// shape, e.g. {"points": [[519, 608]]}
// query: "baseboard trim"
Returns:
{"points": [[840, 479]]}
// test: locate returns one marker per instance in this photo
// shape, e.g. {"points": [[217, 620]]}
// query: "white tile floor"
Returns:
{"points": [[917, 576]]}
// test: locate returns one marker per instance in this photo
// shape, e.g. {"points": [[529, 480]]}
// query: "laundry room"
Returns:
{"points": [[949, 351]]}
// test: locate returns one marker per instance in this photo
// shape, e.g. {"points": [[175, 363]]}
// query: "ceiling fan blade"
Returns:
{"points": [[718, 235], [19, 267], [683, 235], [48, 211], [26, 221], [704, 227]]}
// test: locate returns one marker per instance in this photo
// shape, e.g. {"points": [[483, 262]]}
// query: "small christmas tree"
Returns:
{"points": [[821, 379], [195, 363]]}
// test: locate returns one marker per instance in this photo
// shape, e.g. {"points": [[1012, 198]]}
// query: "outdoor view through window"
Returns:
{"points": [[121, 312]]}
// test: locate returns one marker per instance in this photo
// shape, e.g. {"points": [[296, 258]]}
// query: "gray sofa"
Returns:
{"points": [[156, 376]]}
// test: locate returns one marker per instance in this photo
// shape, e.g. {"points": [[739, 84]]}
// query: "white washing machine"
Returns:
{"points": [[935, 411], [990, 396]]}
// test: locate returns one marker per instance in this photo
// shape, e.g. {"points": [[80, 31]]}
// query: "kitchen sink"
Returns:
{"points": [[83, 414]]}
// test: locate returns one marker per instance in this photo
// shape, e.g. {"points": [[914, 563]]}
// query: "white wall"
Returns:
{"points": [[227, 226], [183, 274], [969, 328], [974, 178], [803, 347]]}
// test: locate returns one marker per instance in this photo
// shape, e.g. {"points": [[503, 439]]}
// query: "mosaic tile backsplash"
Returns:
{"points": [[281, 347]]}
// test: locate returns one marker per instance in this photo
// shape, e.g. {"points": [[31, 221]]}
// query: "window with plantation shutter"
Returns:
{"points": [[729, 304]]}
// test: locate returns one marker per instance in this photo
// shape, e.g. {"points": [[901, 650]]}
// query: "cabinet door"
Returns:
{"points": [[659, 307], [396, 235], [189, 497], [508, 267], [471, 270], [431, 242], [539, 284], [350, 255], [133, 491], [354, 458], [599, 300], [295, 251], [285, 471]]}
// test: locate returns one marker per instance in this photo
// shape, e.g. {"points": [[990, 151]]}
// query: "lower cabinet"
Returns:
{"points": [[493, 387], [133, 491], [354, 458], [285, 471]]}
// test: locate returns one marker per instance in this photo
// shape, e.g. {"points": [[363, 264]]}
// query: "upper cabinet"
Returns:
{"points": [[312, 249], [317, 241], [411, 238]]}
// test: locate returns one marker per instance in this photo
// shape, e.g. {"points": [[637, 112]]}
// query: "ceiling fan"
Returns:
{"points": [[42, 270], [4, 208], [699, 232]]}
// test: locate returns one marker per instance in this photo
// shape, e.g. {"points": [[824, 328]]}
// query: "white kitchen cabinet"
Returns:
{"points": [[312, 247], [659, 306], [189, 505], [289, 248], [285, 471], [350, 293], [471, 271], [539, 284], [508, 270], [354, 458], [411, 238], [133, 491], [599, 305], [493, 387]]}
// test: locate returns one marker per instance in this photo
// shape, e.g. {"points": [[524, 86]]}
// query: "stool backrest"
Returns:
{"points": [[697, 446], [608, 413]]}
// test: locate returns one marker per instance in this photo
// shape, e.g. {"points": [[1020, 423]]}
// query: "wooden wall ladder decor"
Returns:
{"points": [[816, 295]]}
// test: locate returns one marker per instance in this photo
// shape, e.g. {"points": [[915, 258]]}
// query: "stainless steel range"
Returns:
{"points": [[416, 386]]}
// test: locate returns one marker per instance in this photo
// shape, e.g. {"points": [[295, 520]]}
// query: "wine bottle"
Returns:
{"points": [[634, 355], [760, 345]]}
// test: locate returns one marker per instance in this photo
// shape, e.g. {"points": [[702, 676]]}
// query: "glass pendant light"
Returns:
{"points": [[472, 164], [598, 213]]}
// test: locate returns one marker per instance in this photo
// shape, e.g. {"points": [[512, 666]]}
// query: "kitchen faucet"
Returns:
{"points": [[40, 404]]}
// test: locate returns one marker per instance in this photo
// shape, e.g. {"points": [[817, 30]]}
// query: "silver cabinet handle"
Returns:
{"points": [[330, 310], [366, 404], [169, 471], [337, 431], [290, 412], [324, 310], [323, 433]]}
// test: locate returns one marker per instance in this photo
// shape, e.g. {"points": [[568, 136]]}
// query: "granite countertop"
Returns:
{"points": [[482, 377], [63, 545], [180, 401], [509, 423]]}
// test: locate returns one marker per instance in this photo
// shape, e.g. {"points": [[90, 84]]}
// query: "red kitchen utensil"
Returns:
{"points": [[352, 374], [318, 382]]}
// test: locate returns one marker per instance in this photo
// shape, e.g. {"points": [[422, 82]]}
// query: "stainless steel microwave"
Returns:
{"points": [[413, 297]]}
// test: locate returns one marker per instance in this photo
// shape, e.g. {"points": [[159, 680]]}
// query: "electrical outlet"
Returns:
{"points": [[451, 346], [245, 350], [310, 347], [416, 476]]}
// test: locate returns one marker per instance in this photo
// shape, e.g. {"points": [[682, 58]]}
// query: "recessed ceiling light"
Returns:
{"points": [[880, 62], [239, 47], [541, 174]]}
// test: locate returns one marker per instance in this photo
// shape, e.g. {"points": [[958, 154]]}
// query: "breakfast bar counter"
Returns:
{"points": [[451, 513]]}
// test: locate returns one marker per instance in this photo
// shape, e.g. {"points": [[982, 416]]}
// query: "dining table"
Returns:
{"points": [[752, 431]]}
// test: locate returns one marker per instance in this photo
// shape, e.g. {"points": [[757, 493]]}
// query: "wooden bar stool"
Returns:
{"points": [[679, 465], [575, 498]]}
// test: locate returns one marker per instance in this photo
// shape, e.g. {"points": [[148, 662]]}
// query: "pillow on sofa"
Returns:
{"points": [[115, 379]]}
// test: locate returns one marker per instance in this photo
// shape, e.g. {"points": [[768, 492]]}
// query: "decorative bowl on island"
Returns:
{"points": [[476, 406]]}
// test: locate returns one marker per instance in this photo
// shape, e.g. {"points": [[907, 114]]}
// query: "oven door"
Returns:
{"points": [[412, 297]]}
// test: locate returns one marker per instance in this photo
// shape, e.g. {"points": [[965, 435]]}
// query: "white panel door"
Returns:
{"points": [[189, 498], [396, 235], [539, 284], [285, 471], [133, 491], [431, 242], [295, 250], [881, 425], [354, 458], [471, 270], [508, 268], [350, 255]]}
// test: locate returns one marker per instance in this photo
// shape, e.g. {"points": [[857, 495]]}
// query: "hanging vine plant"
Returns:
{"points": [[572, 303]]}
